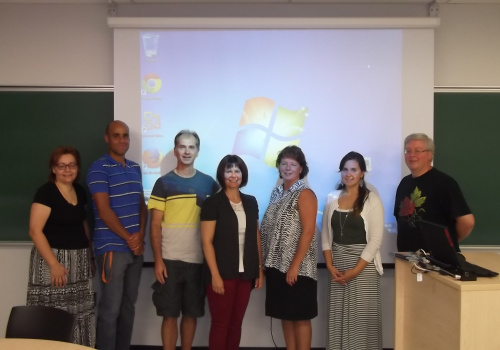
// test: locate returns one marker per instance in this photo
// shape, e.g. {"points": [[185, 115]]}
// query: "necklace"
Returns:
{"points": [[69, 196], [342, 224]]}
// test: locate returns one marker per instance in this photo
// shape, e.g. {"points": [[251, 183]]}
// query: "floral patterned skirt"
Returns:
{"points": [[77, 296]]}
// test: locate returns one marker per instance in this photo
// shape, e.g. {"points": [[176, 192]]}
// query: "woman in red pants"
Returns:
{"points": [[233, 259]]}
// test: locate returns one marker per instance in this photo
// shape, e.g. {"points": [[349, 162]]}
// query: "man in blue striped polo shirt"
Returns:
{"points": [[120, 222]]}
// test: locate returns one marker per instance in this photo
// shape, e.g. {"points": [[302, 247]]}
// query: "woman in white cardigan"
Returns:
{"points": [[352, 230]]}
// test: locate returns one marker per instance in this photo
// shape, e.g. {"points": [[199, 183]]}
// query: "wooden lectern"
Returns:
{"points": [[443, 313]]}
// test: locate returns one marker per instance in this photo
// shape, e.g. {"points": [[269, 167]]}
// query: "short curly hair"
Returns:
{"points": [[295, 153]]}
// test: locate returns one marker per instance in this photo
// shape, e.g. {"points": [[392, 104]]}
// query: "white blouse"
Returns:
{"points": [[242, 226]]}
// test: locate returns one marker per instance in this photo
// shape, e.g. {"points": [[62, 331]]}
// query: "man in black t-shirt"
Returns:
{"points": [[428, 194]]}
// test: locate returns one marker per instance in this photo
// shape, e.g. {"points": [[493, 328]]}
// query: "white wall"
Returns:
{"points": [[65, 45], [467, 48], [55, 45], [71, 45]]}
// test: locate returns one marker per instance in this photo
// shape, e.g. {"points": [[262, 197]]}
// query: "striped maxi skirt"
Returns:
{"points": [[77, 296], [354, 310]]}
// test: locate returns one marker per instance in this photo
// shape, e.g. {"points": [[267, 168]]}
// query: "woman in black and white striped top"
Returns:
{"points": [[289, 250]]}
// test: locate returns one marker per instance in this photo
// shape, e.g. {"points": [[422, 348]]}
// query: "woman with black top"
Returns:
{"points": [[231, 245], [60, 272]]}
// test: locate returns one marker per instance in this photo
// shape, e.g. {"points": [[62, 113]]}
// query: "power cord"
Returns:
{"points": [[425, 266], [272, 336], [419, 268]]}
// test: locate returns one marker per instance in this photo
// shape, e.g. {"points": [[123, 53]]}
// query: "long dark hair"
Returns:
{"points": [[363, 190]]}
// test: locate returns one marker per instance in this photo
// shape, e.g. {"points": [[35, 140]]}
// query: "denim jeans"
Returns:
{"points": [[116, 307]]}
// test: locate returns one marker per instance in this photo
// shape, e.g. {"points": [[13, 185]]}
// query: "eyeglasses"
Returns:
{"points": [[63, 166], [415, 151]]}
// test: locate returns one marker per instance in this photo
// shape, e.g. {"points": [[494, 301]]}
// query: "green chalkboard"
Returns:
{"points": [[466, 133], [33, 123]]}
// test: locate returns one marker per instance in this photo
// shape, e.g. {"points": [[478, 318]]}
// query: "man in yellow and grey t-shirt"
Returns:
{"points": [[175, 205]]}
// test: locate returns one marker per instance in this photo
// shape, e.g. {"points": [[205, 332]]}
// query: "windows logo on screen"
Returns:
{"points": [[263, 134]]}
